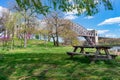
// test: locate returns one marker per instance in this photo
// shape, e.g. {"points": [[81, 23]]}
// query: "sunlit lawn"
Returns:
{"points": [[41, 62]]}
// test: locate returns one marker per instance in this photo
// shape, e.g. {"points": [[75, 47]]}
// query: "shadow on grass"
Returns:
{"points": [[80, 59], [13, 66], [87, 61], [45, 65]]}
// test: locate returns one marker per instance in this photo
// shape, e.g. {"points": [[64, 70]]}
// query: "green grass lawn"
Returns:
{"points": [[41, 62]]}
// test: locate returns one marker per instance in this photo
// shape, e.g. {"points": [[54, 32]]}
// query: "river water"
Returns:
{"points": [[115, 48]]}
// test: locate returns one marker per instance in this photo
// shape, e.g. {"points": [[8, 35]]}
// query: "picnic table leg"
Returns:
{"points": [[75, 49], [107, 53], [97, 53], [82, 50], [71, 56]]}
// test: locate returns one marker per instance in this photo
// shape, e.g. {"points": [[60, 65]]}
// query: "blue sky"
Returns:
{"points": [[106, 22]]}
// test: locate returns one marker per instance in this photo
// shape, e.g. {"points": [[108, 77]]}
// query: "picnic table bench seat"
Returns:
{"points": [[73, 53], [113, 56]]}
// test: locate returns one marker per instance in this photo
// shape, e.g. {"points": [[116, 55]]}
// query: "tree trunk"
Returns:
{"points": [[12, 43], [49, 37], [57, 37], [54, 40], [25, 32], [25, 40], [57, 40]]}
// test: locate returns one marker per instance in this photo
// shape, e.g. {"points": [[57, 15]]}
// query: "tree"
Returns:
{"points": [[57, 28], [53, 22], [69, 36], [28, 21], [11, 24], [43, 6], [3, 19]]}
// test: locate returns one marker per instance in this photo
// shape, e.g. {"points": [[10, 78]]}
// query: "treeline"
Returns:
{"points": [[110, 41], [24, 24]]}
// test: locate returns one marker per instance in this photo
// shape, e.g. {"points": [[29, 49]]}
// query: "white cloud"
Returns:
{"points": [[72, 14], [115, 20], [2, 9], [96, 1], [102, 31], [89, 17], [89, 29], [99, 31], [71, 17], [70, 0], [111, 35]]}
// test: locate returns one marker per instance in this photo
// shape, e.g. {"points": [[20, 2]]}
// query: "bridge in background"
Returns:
{"points": [[91, 36]]}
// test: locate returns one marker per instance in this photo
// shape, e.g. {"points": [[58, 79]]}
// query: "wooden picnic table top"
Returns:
{"points": [[96, 46]]}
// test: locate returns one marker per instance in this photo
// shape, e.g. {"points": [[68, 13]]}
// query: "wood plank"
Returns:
{"points": [[100, 59], [113, 56], [107, 47], [73, 53]]}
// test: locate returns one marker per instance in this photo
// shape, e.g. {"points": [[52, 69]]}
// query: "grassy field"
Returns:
{"points": [[45, 62]]}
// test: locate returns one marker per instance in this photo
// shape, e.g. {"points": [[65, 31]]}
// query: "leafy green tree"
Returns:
{"points": [[43, 6], [3, 19], [57, 28], [28, 21], [54, 22], [69, 36], [10, 25]]}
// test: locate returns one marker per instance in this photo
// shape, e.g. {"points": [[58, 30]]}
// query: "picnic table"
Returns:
{"points": [[100, 52]]}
